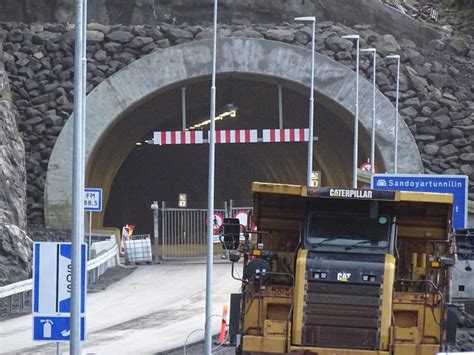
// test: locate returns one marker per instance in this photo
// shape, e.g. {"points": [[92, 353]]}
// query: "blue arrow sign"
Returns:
{"points": [[52, 271], [453, 184]]}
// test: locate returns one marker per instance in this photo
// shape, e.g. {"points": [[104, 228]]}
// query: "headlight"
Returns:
{"points": [[320, 275], [369, 278]]}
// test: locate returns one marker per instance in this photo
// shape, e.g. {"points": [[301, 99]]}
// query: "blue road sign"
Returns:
{"points": [[54, 328], [92, 200], [52, 271], [453, 184]]}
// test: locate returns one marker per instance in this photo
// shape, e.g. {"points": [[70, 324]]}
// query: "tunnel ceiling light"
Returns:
{"points": [[138, 143], [229, 111]]}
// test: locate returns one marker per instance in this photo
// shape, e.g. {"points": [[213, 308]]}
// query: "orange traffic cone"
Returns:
{"points": [[223, 325]]}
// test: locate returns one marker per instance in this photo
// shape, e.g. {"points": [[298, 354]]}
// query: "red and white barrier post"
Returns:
{"points": [[225, 321]]}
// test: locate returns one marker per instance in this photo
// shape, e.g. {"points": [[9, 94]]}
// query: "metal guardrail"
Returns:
{"points": [[102, 258], [24, 287], [17, 287]]}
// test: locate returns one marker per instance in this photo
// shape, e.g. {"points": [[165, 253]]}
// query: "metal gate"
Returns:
{"points": [[184, 232]]}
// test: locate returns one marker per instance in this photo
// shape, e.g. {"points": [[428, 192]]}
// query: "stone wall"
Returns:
{"points": [[436, 83], [152, 12]]}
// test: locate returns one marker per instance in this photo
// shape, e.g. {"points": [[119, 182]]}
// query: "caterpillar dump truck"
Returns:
{"points": [[343, 272]]}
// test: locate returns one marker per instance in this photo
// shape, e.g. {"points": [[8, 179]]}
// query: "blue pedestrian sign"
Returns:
{"points": [[52, 272], [452, 184], [92, 200]]}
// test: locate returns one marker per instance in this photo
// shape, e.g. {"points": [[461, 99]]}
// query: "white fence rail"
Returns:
{"points": [[17, 287], [102, 258], [27, 285]]}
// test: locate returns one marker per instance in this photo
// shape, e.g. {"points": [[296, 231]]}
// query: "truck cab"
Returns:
{"points": [[345, 271]]}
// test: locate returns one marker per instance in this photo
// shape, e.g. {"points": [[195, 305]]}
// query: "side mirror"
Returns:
{"points": [[230, 236]]}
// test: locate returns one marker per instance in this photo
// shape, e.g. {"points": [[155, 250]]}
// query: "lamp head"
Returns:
{"points": [[393, 56], [370, 50], [306, 19], [351, 37]]}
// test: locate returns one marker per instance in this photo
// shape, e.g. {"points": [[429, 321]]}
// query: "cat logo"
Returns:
{"points": [[343, 276]]}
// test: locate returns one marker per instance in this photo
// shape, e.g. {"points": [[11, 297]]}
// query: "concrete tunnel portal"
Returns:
{"points": [[146, 97]]}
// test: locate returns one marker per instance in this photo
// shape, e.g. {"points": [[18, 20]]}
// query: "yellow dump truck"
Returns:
{"points": [[335, 271]]}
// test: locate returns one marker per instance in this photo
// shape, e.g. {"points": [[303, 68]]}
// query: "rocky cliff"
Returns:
{"points": [[15, 246]]}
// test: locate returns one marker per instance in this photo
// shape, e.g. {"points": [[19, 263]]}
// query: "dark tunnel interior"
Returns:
{"points": [[159, 173]]}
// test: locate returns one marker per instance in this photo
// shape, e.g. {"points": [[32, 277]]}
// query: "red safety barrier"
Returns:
{"points": [[178, 137], [285, 135]]}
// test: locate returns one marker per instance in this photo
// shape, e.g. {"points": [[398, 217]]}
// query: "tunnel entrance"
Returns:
{"points": [[152, 172], [146, 96]]}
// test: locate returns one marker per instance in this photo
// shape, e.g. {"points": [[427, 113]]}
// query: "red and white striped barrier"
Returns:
{"points": [[224, 322], [233, 136], [285, 135], [236, 136], [178, 137]]}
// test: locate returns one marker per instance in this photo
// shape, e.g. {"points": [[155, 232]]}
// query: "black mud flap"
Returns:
{"points": [[450, 325], [234, 319]]}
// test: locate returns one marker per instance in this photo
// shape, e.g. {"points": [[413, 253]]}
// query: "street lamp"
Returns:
{"points": [[395, 158], [311, 100], [356, 121], [210, 200], [372, 141]]}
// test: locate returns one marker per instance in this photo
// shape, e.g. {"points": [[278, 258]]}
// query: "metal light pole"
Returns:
{"points": [[356, 120], [372, 141], [154, 207], [84, 82], [311, 100], [395, 157], [210, 201], [78, 182]]}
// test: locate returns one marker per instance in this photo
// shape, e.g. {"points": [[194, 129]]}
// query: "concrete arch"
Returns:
{"points": [[120, 93]]}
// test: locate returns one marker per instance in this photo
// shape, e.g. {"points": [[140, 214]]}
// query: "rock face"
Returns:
{"points": [[16, 254], [15, 246], [13, 177], [12, 158], [436, 96]]}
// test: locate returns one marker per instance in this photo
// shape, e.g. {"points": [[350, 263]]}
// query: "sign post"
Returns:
{"points": [[210, 196], [52, 286], [452, 184], [92, 203]]}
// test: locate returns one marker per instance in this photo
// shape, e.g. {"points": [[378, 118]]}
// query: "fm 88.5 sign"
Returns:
{"points": [[92, 200]]}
